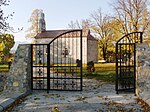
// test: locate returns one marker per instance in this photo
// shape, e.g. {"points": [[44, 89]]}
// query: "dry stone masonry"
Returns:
{"points": [[3, 77], [18, 80], [143, 72]]}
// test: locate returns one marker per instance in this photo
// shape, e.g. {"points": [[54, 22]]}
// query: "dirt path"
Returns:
{"points": [[95, 97]]}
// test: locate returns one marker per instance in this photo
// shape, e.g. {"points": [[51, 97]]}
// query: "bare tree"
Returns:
{"points": [[102, 28], [4, 25], [83, 24], [133, 15]]}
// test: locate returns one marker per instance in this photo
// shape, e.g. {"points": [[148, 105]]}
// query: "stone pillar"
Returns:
{"points": [[19, 78], [143, 71]]}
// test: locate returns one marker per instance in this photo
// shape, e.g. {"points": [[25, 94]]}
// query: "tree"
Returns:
{"points": [[6, 42], [83, 24], [4, 25], [101, 26], [34, 19], [133, 15], [106, 29]]}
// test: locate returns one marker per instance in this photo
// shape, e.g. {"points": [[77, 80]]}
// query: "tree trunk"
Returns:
{"points": [[104, 53]]}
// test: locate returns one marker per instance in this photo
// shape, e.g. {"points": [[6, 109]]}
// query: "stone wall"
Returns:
{"points": [[3, 77], [18, 80], [143, 72]]}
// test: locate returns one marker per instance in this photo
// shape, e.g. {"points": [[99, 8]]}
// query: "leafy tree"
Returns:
{"points": [[2, 46], [133, 15], [7, 42], [105, 30], [34, 19], [101, 26]]}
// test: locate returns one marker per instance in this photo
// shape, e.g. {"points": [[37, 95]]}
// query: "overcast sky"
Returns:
{"points": [[58, 13]]}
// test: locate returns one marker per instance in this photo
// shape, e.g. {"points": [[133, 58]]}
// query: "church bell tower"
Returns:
{"points": [[41, 24]]}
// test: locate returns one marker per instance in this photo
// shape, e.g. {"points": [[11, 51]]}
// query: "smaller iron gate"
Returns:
{"points": [[58, 65], [39, 66], [126, 62]]}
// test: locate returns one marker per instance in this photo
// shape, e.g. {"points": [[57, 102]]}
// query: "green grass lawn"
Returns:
{"points": [[4, 68], [105, 72]]}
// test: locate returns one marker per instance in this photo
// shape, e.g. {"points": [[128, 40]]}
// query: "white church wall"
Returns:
{"points": [[59, 45]]}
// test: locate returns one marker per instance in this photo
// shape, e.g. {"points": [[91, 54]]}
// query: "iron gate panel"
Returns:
{"points": [[126, 62], [58, 65], [65, 61], [39, 66]]}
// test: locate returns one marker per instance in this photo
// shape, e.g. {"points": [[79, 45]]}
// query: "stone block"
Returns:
{"points": [[1, 108], [146, 97], [16, 96], [6, 103], [148, 101], [15, 84]]}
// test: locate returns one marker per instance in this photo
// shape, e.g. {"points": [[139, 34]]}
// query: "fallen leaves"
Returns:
{"points": [[143, 104]]}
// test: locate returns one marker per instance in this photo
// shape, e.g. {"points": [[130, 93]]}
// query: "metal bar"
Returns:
{"points": [[116, 68], [39, 77], [65, 63], [39, 89], [72, 71], [127, 89], [31, 67], [129, 77], [61, 59], [125, 43], [141, 37], [43, 65], [81, 60], [38, 66], [65, 90], [76, 56], [62, 66], [53, 61], [48, 68], [134, 68], [57, 61], [38, 44], [120, 64], [125, 66], [64, 78]]}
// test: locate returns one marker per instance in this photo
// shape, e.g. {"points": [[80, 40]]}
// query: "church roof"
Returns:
{"points": [[50, 33], [55, 33]]}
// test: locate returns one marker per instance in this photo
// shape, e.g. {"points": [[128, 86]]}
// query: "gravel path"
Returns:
{"points": [[95, 97]]}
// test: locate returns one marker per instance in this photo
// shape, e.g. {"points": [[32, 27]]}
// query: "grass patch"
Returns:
{"points": [[4, 68], [105, 72]]}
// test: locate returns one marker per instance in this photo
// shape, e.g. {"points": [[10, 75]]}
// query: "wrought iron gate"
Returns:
{"points": [[58, 65], [126, 62]]}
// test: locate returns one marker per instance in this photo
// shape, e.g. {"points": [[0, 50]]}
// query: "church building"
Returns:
{"points": [[71, 44]]}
